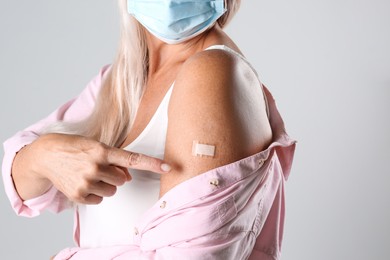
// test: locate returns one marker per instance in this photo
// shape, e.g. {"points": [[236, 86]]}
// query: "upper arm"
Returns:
{"points": [[73, 110], [217, 100]]}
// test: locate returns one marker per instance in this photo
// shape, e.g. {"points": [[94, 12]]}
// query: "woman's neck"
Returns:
{"points": [[163, 55]]}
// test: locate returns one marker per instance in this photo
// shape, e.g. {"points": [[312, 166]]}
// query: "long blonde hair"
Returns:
{"points": [[123, 84]]}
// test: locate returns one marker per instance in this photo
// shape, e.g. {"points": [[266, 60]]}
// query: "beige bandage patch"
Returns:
{"points": [[199, 149]]}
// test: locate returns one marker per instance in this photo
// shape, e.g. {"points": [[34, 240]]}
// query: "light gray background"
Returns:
{"points": [[327, 63]]}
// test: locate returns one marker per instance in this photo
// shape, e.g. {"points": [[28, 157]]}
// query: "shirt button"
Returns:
{"points": [[214, 182], [136, 231], [261, 162], [163, 205]]}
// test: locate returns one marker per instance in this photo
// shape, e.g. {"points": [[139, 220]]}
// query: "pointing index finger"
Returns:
{"points": [[123, 158]]}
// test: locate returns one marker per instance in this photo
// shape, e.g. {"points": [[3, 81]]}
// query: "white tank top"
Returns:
{"points": [[112, 222]]}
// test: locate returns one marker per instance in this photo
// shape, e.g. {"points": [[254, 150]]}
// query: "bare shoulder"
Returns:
{"points": [[217, 67], [217, 100]]}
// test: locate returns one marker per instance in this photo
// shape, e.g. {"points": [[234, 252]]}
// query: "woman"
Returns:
{"points": [[183, 109]]}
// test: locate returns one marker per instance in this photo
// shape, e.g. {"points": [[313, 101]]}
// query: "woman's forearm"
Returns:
{"points": [[83, 169], [28, 183]]}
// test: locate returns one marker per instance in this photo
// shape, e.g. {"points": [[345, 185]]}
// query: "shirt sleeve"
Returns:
{"points": [[74, 110]]}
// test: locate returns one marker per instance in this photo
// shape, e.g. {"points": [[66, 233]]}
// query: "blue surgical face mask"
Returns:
{"points": [[175, 21]]}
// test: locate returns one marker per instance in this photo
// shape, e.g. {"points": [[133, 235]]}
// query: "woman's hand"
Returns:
{"points": [[83, 169]]}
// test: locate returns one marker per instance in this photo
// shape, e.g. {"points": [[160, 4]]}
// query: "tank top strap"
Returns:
{"points": [[226, 48]]}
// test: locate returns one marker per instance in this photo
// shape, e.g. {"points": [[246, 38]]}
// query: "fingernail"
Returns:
{"points": [[165, 167], [128, 177]]}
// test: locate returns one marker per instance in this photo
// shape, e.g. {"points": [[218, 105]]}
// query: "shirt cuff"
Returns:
{"points": [[53, 200]]}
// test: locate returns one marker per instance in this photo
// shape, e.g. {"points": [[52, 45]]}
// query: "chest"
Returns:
{"points": [[154, 93]]}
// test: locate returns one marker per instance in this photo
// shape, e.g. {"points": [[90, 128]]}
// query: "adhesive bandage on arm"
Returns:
{"points": [[199, 149]]}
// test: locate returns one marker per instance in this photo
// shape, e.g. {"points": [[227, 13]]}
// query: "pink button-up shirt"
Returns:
{"points": [[232, 212]]}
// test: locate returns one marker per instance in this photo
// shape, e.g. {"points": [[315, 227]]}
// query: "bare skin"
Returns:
{"points": [[83, 169], [216, 99]]}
